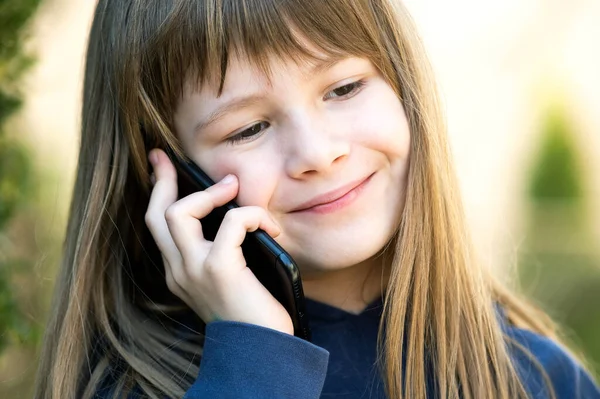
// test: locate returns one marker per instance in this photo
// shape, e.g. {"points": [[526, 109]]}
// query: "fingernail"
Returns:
{"points": [[228, 179]]}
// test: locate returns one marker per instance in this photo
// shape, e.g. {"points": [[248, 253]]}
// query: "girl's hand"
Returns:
{"points": [[210, 277]]}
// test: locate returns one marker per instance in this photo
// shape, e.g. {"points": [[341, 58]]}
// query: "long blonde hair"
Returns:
{"points": [[112, 312]]}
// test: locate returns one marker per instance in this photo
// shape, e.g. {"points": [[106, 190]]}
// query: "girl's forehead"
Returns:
{"points": [[242, 70]]}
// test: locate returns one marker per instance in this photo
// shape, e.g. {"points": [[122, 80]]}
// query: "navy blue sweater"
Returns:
{"points": [[246, 361]]}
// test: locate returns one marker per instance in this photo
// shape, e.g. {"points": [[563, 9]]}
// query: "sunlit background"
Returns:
{"points": [[521, 88]]}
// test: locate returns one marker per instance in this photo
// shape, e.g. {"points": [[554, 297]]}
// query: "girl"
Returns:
{"points": [[321, 119]]}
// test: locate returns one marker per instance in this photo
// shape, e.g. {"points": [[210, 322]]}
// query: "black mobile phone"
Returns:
{"points": [[269, 262]]}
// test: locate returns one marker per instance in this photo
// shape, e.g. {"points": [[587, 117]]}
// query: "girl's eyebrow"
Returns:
{"points": [[234, 104], [323, 65]]}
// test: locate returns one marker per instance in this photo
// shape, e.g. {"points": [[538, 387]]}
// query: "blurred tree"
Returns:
{"points": [[557, 174], [559, 263], [15, 167]]}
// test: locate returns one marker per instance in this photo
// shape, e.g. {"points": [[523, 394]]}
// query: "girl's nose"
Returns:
{"points": [[314, 148]]}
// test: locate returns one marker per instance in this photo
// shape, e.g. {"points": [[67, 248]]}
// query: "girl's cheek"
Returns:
{"points": [[256, 173], [384, 126], [219, 168], [219, 161]]}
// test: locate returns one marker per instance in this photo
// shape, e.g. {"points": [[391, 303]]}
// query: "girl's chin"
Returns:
{"points": [[328, 263], [323, 252]]}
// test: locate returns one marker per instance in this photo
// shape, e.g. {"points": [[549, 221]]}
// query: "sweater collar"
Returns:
{"points": [[323, 312]]}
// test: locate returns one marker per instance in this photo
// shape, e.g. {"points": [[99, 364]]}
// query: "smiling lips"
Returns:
{"points": [[336, 199]]}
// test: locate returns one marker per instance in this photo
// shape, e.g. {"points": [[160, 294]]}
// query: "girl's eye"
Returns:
{"points": [[348, 90], [249, 134]]}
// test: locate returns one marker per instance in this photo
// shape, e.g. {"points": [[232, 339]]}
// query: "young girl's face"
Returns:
{"points": [[309, 133]]}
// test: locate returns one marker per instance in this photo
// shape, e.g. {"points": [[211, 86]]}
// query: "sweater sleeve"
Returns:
{"points": [[568, 378], [245, 361]]}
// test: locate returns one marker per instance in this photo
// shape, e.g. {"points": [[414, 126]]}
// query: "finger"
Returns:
{"points": [[176, 287], [164, 171], [172, 284], [164, 194], [183, 216], [201, 203], [236, 224]]}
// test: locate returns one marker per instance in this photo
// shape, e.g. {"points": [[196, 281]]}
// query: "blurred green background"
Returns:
{"points": [[521, 93]]}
